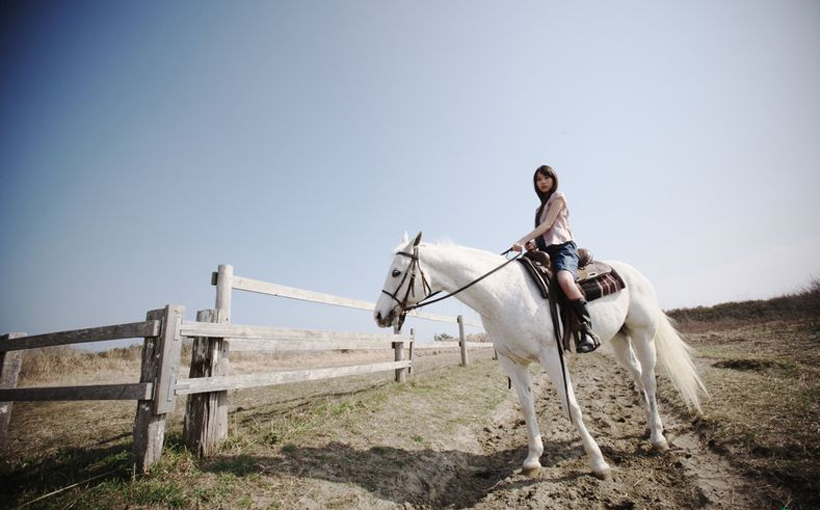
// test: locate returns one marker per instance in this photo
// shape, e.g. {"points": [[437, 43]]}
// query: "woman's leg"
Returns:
{"points": [[589, 342], [567, 282]]}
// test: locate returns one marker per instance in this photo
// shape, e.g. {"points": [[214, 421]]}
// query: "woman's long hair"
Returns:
{"points": [[546, 171]]}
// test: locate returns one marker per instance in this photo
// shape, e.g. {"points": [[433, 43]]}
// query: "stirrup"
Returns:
{"points": [[588, 341]]}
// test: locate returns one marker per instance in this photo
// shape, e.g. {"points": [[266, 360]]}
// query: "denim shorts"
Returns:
{"points": [[564, 257]]}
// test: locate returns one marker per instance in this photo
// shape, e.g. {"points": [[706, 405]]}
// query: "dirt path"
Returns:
{"points": [[690, 475], [478, 465]]}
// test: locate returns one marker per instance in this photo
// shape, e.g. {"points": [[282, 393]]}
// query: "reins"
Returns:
{"points": [[411, 271], [423, 302], [426, 301]]}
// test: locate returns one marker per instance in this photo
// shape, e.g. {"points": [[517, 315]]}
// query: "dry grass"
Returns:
{"points": [[800, 305], [49, 362], [761, 363]]}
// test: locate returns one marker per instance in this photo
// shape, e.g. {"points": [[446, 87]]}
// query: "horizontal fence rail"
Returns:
{"points": [[135, 391], [236, 382], [256, 345], [237, 332], [260, 338], [80, 336], [272, 289], [454, 345]]}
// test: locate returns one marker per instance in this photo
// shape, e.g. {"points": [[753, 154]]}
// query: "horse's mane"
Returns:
{"points": [[451, 246], [484, 257]]}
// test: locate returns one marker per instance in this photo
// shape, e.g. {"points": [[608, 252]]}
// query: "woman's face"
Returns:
{"points": [[543, 182]]}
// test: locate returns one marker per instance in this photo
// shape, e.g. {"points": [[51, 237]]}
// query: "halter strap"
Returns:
{"points": [[411, 286]]}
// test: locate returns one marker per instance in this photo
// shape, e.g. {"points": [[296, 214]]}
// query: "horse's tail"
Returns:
{"points": [[676, 356]]}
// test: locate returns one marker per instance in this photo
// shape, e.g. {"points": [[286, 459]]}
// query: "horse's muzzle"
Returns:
{"points": [[385, 321]]}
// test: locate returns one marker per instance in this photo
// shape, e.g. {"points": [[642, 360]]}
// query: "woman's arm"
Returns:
{"points": [[552, 213]]}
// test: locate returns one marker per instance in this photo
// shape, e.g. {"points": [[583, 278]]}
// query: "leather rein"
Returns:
{"points": [[426, 288]]}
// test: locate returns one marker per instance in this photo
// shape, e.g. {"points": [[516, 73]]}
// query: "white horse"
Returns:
{"points": [[518, 322]]}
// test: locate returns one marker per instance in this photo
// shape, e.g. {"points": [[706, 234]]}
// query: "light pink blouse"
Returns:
{"points": [[560, 232]]}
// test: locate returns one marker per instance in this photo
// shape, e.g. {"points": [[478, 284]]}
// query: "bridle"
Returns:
{"points": [[411, 286], [426, 288]]}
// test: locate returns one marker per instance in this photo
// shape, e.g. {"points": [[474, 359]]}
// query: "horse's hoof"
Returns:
{"points": [[531, 471], [660, 446], [604, 474]]}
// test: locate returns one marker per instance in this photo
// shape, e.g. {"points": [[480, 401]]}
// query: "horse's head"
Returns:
{"points": [[404, 286]]}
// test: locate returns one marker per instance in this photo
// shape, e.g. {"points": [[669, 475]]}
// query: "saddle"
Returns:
{"points": [[595, 280]]}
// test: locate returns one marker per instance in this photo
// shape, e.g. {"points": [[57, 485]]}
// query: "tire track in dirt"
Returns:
{"points": [[690, 475]]}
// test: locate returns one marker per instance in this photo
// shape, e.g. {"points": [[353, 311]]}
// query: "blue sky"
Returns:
{"points": [[144, 143]]}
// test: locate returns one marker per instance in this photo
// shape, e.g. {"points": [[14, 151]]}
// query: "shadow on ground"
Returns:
{"points": [[64, 468], [452, 479]]}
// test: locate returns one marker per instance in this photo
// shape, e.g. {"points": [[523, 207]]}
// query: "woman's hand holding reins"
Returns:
{"points": [[529, 246]]}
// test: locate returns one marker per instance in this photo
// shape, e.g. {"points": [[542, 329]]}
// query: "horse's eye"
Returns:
{"points": [[396, 273]]}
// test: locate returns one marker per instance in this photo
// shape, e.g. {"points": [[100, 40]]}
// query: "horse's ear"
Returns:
{"points": [[405, 239], [418, 240]]}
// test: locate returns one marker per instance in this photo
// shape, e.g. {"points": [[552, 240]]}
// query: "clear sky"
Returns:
{"points": [[144, 143]]}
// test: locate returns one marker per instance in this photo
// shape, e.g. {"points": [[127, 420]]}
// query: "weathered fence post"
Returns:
{"points": [[206, 414], [223, 279], [462, 341], [10, 363], [160, 366], [149, 429]]}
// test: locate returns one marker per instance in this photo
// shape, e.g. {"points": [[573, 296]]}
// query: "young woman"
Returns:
{"points": [[553, 235]]}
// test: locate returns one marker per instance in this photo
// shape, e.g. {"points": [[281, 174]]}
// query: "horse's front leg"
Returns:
{"points": [[520, 377], [551, 363]]}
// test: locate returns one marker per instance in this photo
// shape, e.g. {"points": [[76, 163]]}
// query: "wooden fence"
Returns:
{"points": [[214, 337], [154, 390], [225, 281]]}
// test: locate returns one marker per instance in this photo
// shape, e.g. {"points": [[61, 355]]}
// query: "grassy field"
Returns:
{"points": [[449, 438]]}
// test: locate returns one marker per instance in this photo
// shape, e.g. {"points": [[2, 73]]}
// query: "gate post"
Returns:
{"points": [[206, 414], [10, 363], [462, 341], [160, 366], [149, 428]]}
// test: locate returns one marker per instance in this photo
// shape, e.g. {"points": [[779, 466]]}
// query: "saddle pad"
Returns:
{"points": [[603, 284], [595, 280]]}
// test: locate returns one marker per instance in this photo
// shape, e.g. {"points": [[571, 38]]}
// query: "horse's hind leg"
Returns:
{"points": [[551, 363], [625, 356], [644, 344], [520, 377]]}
